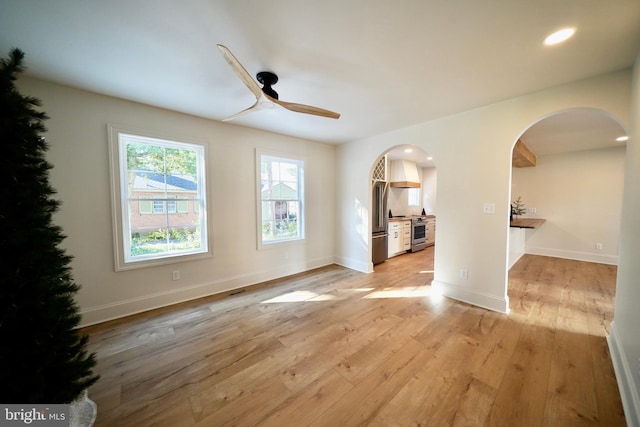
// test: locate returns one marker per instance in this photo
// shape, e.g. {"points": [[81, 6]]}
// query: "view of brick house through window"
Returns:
{"points": [[281, 198], [162, 198]]}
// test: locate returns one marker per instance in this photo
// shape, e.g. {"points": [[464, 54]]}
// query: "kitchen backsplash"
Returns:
{"points": [[398, 202]]}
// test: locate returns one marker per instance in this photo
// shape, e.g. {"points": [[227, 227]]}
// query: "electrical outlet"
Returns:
{"points": [[175, 275], [599, 246], [532, 211], [464, 274]]}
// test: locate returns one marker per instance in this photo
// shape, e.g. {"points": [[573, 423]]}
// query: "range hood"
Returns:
{"points": [[404, 174]]}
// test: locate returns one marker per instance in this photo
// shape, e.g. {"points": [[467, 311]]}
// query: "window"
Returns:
{"points": [[156, 181], [280, 198], [413, 197], [158, 207]]}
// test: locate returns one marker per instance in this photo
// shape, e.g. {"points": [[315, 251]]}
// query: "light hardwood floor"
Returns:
{"points": [[333, 347]]}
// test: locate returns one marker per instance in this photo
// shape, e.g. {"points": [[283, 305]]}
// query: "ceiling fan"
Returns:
{"points": [[266, 97]]}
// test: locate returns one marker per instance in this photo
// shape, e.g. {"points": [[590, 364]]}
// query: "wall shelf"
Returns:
{"points": [[527, 223]]}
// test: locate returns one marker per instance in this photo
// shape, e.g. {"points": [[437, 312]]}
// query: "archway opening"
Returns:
{"points": [[570, 194], [409, 190]]}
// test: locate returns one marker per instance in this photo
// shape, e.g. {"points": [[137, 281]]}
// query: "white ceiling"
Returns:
{"points": [[416, 155], [383, 65], [574, 130], [562, 132]]}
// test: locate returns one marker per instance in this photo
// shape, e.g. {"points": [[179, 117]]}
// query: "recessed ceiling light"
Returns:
{"points": [[559, 36], [408, 150], [622, 138], [429, 158]]}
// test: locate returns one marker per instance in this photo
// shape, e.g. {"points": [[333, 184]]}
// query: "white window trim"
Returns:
{"points": [[114, 132], [302, 217]]}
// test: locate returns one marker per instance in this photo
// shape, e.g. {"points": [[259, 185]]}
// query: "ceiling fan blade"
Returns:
{"points": [[244, 75], [301, 108], [255, 106], [260, 94]]}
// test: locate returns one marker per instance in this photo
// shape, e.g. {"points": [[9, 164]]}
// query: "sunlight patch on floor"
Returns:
{"points": [[355, 290], [298, 296], [402, 292], [371, 293]]}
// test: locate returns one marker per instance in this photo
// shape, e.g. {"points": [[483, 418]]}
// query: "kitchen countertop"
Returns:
{"points": [[400, 218], [408, 218], [527, 223]]}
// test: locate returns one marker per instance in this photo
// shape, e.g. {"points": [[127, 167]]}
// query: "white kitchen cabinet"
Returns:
{"points": [[406, 235], [394, 240], [399, 240], [431, 230]]}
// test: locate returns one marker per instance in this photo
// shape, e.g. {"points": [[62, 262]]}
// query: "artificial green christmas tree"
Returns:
{"points": [[43, 358]]}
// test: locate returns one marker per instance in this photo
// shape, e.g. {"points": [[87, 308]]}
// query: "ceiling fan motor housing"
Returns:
{"points": [[267, 79]]}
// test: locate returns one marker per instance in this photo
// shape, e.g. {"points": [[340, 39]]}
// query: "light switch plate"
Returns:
{"points": [[489, 208]]}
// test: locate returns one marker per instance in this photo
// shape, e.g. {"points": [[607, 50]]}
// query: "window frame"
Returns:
{"points": [[120, 199], [300, 161]]}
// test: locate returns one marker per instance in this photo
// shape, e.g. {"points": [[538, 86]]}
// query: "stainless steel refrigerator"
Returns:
{"points": [[379, 222]]}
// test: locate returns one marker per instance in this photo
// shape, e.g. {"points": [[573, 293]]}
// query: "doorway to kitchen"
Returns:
{"points": [[408, 176]]}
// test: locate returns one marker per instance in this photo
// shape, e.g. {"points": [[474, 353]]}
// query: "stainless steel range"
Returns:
{"points": [[418, 233]]}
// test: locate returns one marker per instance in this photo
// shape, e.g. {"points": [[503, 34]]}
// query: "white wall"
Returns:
{"points": [[77, 134], [430, 190], [624, 340], [472, 151], [579, 195]]}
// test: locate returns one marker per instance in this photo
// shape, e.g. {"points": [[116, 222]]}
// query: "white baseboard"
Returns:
{"points": [[481, 299], [513, 258], [355, 264], [578, 256], [624, 376], [118, 309]]}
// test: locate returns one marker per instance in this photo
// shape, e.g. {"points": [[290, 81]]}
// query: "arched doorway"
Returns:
{"points": [[410, 191], [572, 187]]}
